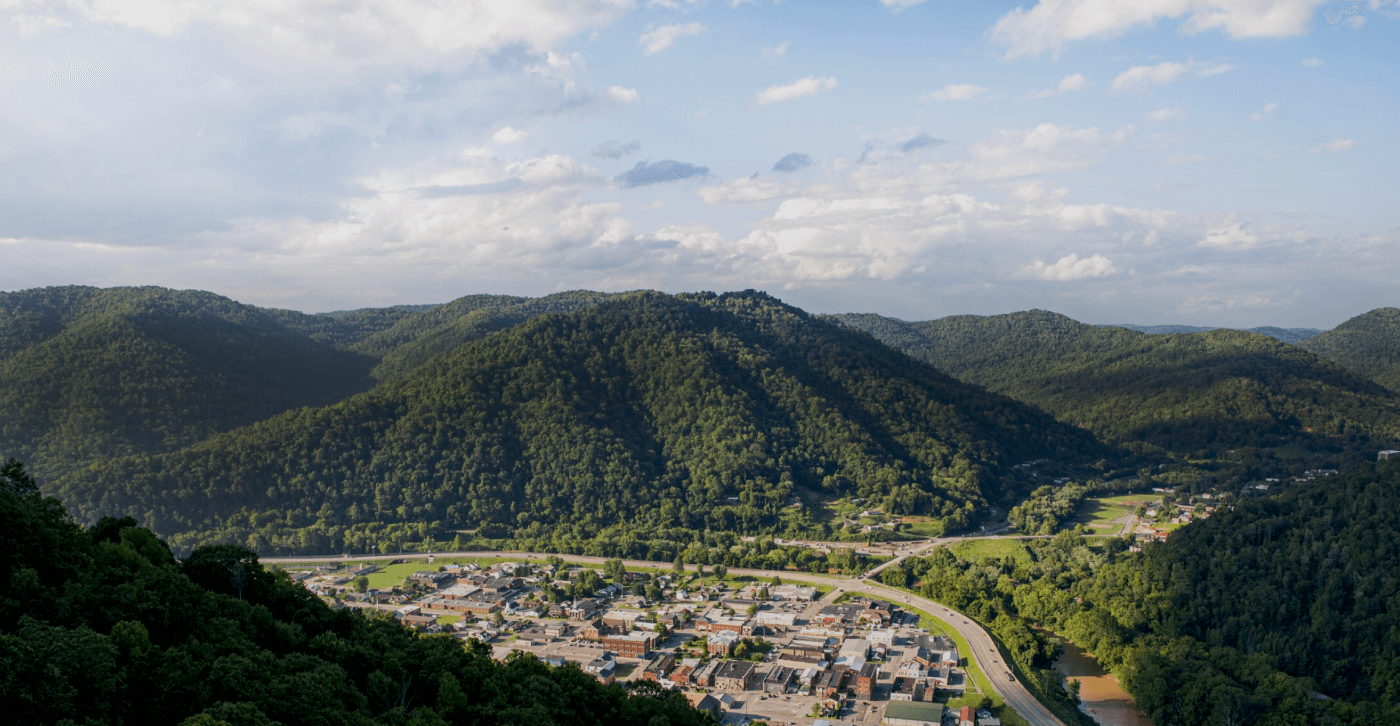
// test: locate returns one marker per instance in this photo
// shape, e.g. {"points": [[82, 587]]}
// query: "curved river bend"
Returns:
{"points": [[1100, 696]]}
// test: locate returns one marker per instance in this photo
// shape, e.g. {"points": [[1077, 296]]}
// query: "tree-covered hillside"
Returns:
{"points": [[88, 374], [1368, 344], [1198, 394], [103, 626], [643, 414], [1287, 335]]}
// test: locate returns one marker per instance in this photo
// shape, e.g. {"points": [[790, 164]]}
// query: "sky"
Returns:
{"points": [[1205, 162]]}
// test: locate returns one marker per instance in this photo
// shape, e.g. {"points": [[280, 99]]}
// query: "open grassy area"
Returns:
{"points": [[975, 549]]}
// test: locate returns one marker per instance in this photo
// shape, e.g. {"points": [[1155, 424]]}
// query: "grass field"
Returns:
{"points": [[976, 549]]}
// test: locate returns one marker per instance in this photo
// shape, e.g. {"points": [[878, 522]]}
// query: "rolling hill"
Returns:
{"points": [[1368, 344], [647, 413], [1198, 394], [1287, 335], [89, 374]]}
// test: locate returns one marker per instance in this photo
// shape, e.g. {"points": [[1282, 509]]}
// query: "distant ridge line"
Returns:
{"points": [[1287, 335]]}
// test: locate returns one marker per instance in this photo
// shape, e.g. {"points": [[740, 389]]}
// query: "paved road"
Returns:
{"points": [[984, 651]]}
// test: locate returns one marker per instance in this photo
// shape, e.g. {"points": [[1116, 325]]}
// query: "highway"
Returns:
{"points": [[984, 651]]}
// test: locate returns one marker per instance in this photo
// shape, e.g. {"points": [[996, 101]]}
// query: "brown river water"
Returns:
{"points": [[1100, 696]]}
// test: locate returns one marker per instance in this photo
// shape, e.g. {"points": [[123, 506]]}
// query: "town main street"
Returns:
{"points": [[984, 653]]}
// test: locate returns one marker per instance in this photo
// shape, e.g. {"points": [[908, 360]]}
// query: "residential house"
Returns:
{"points": [[966, 717]]}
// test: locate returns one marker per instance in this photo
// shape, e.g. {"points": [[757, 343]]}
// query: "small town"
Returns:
{"points": [[744, 649]]}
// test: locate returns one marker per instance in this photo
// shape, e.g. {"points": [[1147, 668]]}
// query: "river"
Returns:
{"points": [[1100, 696]]}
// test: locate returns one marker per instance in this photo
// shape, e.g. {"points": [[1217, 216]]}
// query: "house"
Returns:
{"points": [[934, 649], [830, 683], [1386, 455], [660, 667], [878, 611], [630, 645], [985, 718], [778, 680], [907, 713], [865, 680], [704, 702], [966, 717], [721, 644], [736, 675], [604, 669]]}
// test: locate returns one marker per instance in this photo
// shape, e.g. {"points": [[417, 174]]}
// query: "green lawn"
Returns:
{"points": [[1098, 515], [975, 549]]}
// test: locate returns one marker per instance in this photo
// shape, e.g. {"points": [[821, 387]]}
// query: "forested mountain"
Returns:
{"points": [[88, 374], [639, 415], [1368, 344], [104, 626], [1287, 335], [1198, 394]]}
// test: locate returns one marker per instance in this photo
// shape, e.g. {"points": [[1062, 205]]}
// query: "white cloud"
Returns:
{"points": [[1051, 24], [625, 95], [776, 50], [1264, 113], [1335, 145], [1312, 62], [508, 135], [1232, 236], [1043, 149], [1139, 78], [809, 86], [1070, 268], [338, 40], [744, 191], [1069, 84], [658, 39], [958, 92], [1166, 114]]}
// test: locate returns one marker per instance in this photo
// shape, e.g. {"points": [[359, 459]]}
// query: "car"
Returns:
{"points": [[1010, 677]]}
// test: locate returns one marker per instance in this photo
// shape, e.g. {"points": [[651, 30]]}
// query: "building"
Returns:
{"points": [[593, 630], [722, 644], [434, 579], [805, 649], [704, 702], [582, 609], [1386, 455], [459, 591], [704, 676], [604, 669], [793, 592], [985, 718], [878, 611], [913, 713], [830, 683], [966, 717], [906, 689], [719, 624], [934, 649], [772, 623], [846, 614], [622, 620], [500, 585], [865, 680], [736, 675], [883, 637], [659, 668], [630, 645], [854, 647], [778, 680]]}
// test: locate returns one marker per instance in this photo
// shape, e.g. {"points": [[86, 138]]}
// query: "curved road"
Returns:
{"points": [[984, 651]]}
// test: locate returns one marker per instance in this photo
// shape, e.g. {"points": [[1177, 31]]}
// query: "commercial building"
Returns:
{"points": [[913, 713], [778, 680], [736, 675], [630, 645]]}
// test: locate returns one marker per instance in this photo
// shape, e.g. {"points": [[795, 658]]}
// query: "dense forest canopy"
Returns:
{"points": [[88, 374], [1368, 344], [700, 412], [1196, 394], [1279, 610], [103, 626]]}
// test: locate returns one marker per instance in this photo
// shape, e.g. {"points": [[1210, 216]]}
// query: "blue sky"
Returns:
{"points": [[1223, 162]]}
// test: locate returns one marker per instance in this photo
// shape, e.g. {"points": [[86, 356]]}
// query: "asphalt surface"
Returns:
{"points": [[984, 650]]}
